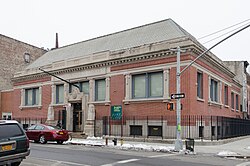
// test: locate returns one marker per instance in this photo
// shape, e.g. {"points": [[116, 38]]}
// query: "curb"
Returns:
{"points": [[74, 143]]}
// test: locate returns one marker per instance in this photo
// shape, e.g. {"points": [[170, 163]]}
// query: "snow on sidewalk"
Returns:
{"points": [[220, 150]]}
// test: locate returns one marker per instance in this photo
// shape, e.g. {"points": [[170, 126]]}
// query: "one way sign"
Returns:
{"points": [[177, 96]]}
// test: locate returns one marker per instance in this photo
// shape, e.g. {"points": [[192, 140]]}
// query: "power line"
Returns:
{"points": [[224, 34], [222, 29]]}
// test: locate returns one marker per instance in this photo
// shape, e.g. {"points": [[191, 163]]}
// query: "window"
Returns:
{"points": [[213, 130], [59, 94], [218, 130], [73, 86], [200, 85], [237, 102], [26, 57], [136, 130], [226, 95], [154, 130], [7, 115], [100, 90], [84, 87], [232, 100], [31, 96], [214, 90], [201, 131], [10, 130], [147, 85]]}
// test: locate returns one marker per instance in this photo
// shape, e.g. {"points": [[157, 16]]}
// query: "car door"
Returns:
{"points": [[38, 132], [30, 132]]}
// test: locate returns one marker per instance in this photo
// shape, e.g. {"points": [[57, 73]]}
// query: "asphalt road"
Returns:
{"points": [[76, 155]]}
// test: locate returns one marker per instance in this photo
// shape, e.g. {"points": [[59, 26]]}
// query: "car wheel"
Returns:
{"points": [[15, 164], [42, 139], [59, 142]]}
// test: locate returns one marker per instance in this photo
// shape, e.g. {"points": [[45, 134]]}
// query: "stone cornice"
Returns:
{"points": [[192, 49], [116, 61], [210, 58]]}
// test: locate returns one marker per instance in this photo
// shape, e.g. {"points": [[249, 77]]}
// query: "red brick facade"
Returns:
{"points": [[190, 104], [12, 60]]}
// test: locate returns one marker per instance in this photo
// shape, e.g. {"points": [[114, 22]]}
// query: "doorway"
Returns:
{"points": [[77, 117]]}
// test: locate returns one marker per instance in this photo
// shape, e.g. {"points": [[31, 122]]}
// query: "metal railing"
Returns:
{"points": [[192, 126]]}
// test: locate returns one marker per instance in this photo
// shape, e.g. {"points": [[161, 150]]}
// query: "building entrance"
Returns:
{"points": [[77, 117]]}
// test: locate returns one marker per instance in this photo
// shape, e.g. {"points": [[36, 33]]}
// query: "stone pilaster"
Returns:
{"points": [[22, 97], [50, 114], [107, 98], [166, 83], [91, 90], [89, 127], [69, 119], [128, 86]]}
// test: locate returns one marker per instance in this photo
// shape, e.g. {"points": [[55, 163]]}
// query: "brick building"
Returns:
{"points": [[132, 72], [15, 56]]}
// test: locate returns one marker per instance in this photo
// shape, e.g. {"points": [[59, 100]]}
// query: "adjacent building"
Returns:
{"points": [[15, 56], [239, 68], [127, 73]]}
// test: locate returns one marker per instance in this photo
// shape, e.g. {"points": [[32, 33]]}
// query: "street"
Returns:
{"points": [[75, 155]]}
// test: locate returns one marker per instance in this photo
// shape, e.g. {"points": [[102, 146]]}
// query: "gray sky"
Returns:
{"points": [[36, 21]]}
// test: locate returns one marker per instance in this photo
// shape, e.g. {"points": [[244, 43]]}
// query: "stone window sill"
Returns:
{"points": [[54, 105], [212, 103], [200, 99], [30, 106], [100, 102], [146, 99]]}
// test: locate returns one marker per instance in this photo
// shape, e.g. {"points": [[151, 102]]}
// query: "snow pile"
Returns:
{"points": [[93, 142], [142, 147], [226, 153], [98, 141]]}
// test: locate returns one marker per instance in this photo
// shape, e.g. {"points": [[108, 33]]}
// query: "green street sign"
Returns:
{"points": [[116, 112]]}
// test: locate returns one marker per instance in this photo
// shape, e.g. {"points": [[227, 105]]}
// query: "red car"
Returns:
{"points": [[43, 133]]}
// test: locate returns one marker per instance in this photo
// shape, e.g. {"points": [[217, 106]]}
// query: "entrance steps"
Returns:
{"points": [[78, 135]]}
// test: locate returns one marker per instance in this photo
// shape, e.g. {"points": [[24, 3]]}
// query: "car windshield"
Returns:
{"points": [[10, 130]]}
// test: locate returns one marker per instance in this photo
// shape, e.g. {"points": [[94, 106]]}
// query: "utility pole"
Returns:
{"points": [[178, 141]]}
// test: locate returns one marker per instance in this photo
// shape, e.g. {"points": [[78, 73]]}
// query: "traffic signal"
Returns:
{"points": [[170, 106]]}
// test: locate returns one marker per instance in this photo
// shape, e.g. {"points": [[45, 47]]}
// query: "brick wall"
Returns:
{"points": [[6, 101], [32, 112], [190, 104], [12, 58]]}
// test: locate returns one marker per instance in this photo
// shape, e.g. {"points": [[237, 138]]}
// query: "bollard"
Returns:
{"points": [[121, 142], [106, 140], [115, 141]]}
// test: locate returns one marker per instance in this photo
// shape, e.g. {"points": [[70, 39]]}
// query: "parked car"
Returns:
{"points": [[14, 144], [43, 133]]}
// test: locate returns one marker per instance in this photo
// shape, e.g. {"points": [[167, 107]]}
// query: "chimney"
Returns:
{"points": [[57, 46]]}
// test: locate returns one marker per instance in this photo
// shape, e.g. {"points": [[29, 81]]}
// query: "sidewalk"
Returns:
{"points": [[236, 147]]}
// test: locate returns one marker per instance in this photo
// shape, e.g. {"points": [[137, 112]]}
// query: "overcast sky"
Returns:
{"points": [[37, 21]]}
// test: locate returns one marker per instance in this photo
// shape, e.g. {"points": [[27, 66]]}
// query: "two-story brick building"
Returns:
{"points": [[132, 71], [15, 56]]}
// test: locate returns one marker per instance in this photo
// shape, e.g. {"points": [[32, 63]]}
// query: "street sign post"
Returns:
{"points": [[177, 96]]}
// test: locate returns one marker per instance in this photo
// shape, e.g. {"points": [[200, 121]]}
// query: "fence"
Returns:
{"points": [[26, 122], [192, 126]]}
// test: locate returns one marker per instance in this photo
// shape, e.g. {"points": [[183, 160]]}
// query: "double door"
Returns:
{"points": [[77, 117]]}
